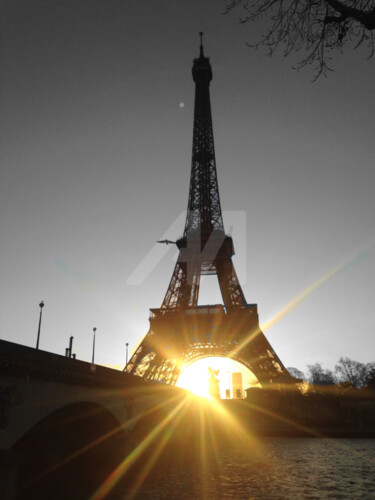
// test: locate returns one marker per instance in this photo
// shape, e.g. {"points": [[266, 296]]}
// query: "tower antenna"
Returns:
{"points": [[201, 45]]}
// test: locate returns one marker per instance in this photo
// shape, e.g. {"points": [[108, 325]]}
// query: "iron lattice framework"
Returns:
{"points": [[182, 332]]}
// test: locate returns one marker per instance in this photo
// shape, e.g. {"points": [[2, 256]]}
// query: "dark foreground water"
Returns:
{"points": [[279, 468]]}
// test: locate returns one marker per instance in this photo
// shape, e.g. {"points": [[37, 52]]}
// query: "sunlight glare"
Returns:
{"points": [[195, 377]]}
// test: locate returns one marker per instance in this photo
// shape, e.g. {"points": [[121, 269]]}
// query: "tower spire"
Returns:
{"points": [[201, 45]]}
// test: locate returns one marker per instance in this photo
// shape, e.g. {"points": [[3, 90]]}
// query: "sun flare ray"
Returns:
{"points": [[116, 475]]}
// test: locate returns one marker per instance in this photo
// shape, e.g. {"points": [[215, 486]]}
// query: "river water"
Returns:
{"points": [[275, 468]]}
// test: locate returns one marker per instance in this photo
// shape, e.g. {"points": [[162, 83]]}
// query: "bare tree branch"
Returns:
{"points": [[316, 27], [366, 18]]}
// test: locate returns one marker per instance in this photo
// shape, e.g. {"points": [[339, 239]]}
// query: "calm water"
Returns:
{"points": [[280, 468]]}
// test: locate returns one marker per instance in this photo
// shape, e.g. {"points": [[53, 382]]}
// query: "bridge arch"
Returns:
{"points": [[64, 448]]}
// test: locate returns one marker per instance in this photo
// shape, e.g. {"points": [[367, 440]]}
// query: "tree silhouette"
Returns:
{"points": [[320, 376], [317, 27], [354, 372]]}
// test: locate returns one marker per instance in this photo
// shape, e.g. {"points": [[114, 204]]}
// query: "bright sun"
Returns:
{"points": [[196, 377]]}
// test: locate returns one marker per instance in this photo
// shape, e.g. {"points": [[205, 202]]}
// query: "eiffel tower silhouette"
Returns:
{"points": [[181, 332]]}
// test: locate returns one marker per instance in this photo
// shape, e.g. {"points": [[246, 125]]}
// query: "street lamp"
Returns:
{"points": [[127, 345], [41, 305], [93, 346]]}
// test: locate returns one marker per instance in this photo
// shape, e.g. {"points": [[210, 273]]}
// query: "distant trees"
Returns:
{"points": [[371, 373], [347, 371], [316, 27], [319, 376], [356, 373]]}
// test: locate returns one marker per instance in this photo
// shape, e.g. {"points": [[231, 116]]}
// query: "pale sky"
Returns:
{"points": [[96, 128]]}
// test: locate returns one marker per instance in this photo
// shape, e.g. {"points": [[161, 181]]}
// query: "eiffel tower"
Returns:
{"points": [[181, 332]]}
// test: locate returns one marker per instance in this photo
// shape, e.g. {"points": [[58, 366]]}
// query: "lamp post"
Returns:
{"points": [[41, 305], [93, 346], [127, 345]]}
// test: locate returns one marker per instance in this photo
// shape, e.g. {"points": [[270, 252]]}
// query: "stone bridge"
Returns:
{"points": [[50, 403]]}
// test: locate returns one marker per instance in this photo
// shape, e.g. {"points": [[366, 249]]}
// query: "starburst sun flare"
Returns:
{"points": [[195, 377]]}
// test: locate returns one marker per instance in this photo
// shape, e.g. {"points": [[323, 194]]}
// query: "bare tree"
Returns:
{"points": [[317, 27], [370, 380], [370, 367], [320, 376], [354, 372]]}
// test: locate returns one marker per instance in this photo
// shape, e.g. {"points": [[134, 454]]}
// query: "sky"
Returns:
{"points": [[96, 133]]}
